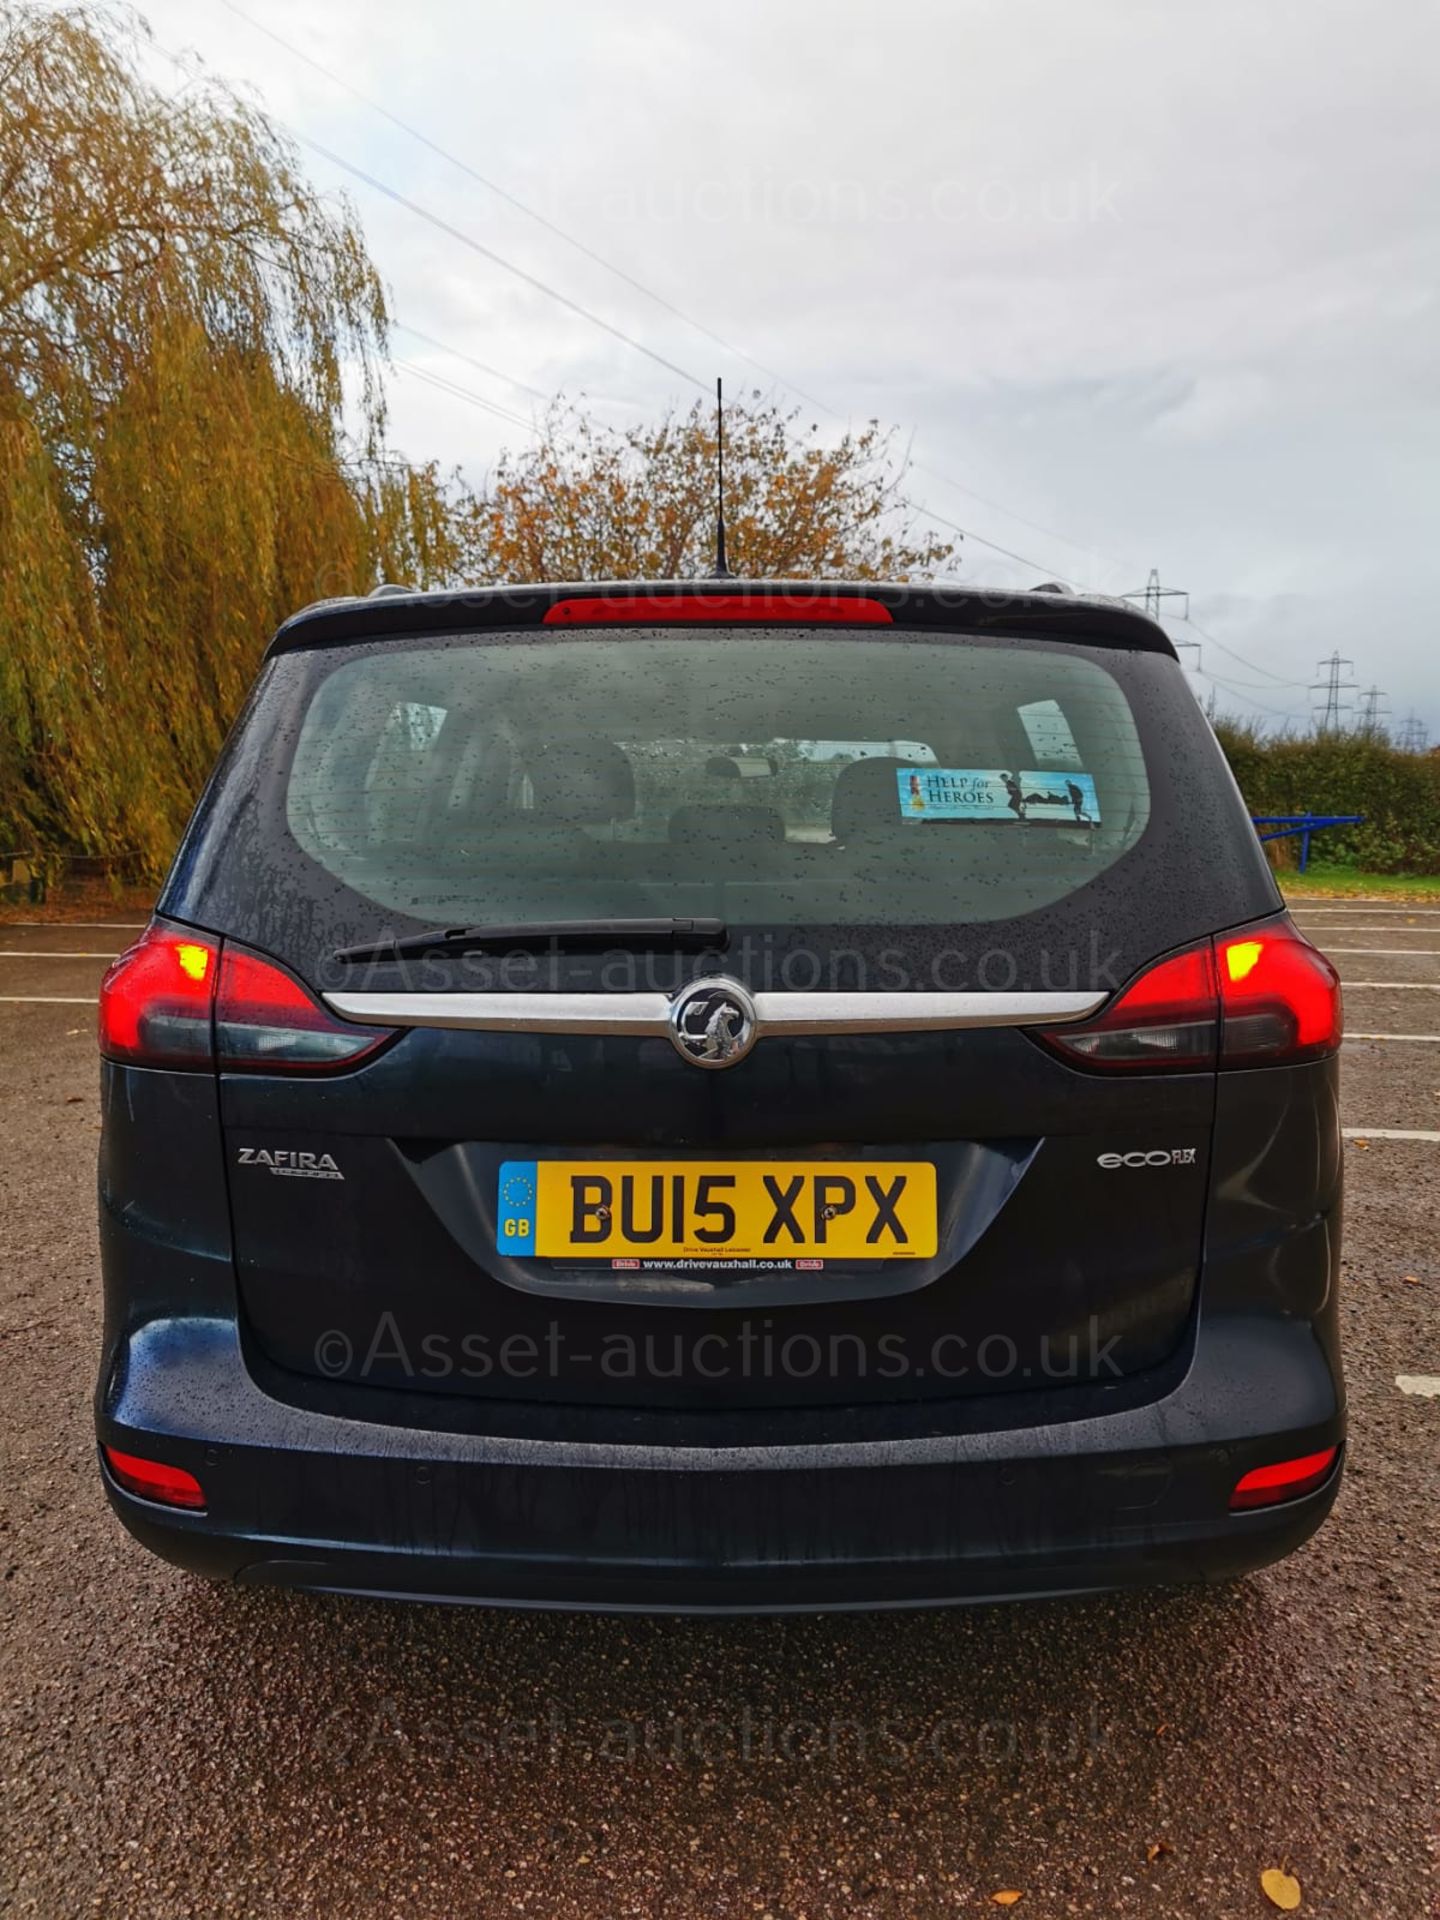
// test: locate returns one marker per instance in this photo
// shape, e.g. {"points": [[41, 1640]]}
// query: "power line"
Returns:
{"points": [[463, 393], [521, 206], [498, 259], [660, 300], [618, 333], [630, 280], [480, 365], [1253, 665], [1249, 699]]}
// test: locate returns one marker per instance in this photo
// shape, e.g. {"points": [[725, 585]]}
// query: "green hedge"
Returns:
{"points": [[1398, 793]]}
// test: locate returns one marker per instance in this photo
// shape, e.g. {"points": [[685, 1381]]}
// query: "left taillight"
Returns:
{"points": [[266, 1022], [178, 999], [157, 1000]]}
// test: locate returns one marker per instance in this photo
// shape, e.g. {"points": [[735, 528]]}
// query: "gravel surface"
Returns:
{"points": [[172, 1748]]}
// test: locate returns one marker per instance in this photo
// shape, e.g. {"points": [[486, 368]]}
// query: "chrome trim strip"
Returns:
{"points": [[649, 1013], [917, 1012]]}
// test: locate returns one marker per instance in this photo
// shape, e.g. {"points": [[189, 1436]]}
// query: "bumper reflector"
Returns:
{"points": [[153, 1480], [1286, 1480]]}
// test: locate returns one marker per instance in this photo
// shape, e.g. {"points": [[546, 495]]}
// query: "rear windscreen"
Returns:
{"points": [[817, 780], [770, 780]]}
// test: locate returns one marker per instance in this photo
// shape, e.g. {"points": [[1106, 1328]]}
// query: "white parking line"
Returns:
{"points": [[1387, 1133], [1432, 953], [21, 953], [1427, 1385], [1421, 1039], [1398, 986], [48, 1000]]}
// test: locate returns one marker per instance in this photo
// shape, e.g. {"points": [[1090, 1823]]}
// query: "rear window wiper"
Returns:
{"points": [[541, 933]]}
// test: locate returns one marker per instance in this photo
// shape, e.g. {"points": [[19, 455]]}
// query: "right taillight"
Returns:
{"points": [[1279, 997], [1260, 997]]}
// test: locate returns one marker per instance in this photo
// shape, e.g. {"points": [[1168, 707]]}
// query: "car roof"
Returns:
{"points": [[395, 612]]}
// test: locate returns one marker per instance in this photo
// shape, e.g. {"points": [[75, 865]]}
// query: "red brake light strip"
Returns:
{"points": [[718, 609]]}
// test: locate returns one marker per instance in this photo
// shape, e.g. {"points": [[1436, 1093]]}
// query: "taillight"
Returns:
{"points": [[1286, 1480], [156, 1000], [1167, 1018], [176, 1000], [153, 1480], [1280, 997], [722, 609], [266, 1022], [1260, 997]]}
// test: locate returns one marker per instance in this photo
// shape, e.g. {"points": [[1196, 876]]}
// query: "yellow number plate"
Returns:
{"points": [[717, 1210]]}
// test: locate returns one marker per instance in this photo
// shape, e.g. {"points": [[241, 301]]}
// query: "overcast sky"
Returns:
{"points": [[1151, 285]]}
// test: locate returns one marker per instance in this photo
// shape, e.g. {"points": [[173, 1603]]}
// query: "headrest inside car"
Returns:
{"points": [[581, 782]]}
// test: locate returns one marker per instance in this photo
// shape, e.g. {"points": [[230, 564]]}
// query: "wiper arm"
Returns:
{"points": [[541, 933]]}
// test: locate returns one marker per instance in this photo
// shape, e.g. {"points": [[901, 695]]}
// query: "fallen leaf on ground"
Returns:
{"points": [[1412, 1279], [1006, 1899], [1363, 1145], [1280, 1889], [1155, 1849]]}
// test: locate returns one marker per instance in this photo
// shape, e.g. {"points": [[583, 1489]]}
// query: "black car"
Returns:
{"points": [[717, 1096]]}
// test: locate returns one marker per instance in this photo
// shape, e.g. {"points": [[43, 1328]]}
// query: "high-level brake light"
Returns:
{"points": [[175, 1000], [718, 609], [1260, 997]]}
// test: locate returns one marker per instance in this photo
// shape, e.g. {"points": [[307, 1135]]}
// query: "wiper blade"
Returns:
{"points": [[541, 933]]}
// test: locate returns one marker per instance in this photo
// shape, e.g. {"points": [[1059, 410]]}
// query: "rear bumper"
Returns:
{"points": [[306, 1499]]}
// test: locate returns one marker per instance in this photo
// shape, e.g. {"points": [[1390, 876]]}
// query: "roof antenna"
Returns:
{"points": [[721, 571]]}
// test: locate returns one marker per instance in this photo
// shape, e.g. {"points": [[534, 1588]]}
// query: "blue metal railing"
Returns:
{"points": [[1282, 825]]}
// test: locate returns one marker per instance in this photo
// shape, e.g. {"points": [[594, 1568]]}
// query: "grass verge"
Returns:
{"points": [[1322, 882]]}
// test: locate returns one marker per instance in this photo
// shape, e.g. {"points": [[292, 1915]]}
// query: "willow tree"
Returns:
{"points": [[589, 503], [185, 330]]}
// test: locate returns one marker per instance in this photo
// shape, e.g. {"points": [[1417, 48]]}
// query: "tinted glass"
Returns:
{"points": [[825, 781], [836, 786]]}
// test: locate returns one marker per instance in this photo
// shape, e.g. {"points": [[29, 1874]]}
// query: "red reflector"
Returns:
{"points": [[1287, 1480], [156, 999], [153, 1480], [266, 1022], [728, 609]]}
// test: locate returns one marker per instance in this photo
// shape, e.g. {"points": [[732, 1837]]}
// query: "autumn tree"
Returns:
{"points": [[192, 352], [181, 317], [589, 503]]}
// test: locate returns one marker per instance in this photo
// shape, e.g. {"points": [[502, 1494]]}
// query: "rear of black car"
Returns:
{"points": [[720, 1097]]}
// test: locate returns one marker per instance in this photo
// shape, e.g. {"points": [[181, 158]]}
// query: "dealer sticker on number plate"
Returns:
{"points": [[717, 1210]]}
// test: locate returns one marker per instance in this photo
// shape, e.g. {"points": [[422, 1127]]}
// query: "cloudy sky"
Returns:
{"points": [[1150, 285]]}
